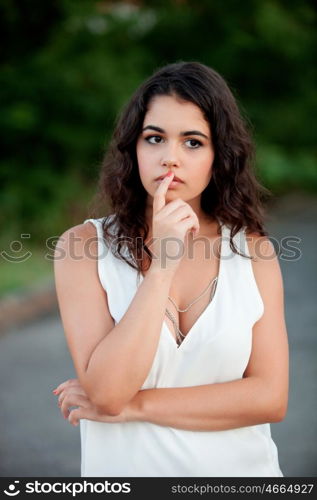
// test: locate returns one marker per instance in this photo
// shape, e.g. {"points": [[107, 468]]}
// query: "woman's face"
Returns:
{"points": [[175, 136]]}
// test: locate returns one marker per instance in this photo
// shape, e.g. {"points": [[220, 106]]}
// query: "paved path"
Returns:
{"points": [[36, 441]]}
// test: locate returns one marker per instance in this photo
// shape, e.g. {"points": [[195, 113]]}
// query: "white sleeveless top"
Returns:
{"points": [[216, 349]]}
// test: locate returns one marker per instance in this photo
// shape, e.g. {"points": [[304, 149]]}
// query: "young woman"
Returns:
{"points": [[172, 305]]}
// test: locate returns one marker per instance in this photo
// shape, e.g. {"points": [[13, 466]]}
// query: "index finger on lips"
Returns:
{"points": [[160, 193]]}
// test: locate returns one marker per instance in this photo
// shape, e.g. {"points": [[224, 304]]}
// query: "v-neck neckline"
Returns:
{"points": [[209, 306]]}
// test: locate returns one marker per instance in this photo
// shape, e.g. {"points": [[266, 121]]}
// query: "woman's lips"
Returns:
{"points": [[175, 179], [174, 184]]}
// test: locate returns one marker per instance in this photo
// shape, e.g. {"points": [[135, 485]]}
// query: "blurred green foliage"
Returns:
{"points": [[67, 67]]}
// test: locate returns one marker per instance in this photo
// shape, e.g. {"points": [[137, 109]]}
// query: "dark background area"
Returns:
{"points": [[67, 68]]}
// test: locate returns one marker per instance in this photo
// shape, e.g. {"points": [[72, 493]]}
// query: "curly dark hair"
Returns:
{"points": [[233, 195]]}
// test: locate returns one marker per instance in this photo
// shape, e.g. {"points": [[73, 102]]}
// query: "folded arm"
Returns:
{"points": [[260, 396]]}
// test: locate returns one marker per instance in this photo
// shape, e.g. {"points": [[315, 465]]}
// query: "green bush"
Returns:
{"points": [[67, 68]]}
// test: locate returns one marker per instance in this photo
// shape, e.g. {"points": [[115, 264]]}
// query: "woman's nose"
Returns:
{"points": [[169, 163]]}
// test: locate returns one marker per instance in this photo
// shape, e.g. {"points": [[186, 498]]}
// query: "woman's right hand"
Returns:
{"points": [[170, 224]]}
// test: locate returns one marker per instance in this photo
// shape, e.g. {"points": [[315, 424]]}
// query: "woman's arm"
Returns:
{"points": [[260, 397], [211, 407], [111, 361]]}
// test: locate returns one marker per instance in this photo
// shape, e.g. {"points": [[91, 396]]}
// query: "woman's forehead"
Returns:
{"points": [[171, 111]]}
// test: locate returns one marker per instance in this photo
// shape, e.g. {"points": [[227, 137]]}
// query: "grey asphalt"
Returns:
{"points": [[35, 441]]}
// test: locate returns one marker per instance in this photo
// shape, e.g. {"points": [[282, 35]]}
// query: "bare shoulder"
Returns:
{"points": [[77, 241], [265, 262], [76, 258]]}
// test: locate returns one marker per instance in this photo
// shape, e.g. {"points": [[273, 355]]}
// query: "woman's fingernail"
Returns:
{"points": [[54, 391]]}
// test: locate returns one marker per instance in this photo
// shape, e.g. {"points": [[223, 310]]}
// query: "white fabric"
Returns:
{"points": [[216, 349]]}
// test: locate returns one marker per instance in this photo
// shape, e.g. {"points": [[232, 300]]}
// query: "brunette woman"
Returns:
{"points": [[172, 302]]}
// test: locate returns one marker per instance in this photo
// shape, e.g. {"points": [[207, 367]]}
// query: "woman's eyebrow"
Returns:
{"points": [[183, 134]]}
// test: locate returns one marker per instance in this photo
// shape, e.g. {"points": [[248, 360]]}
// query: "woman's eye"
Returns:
{"points": [[153, 139], [157, 139], [193, 143]]}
